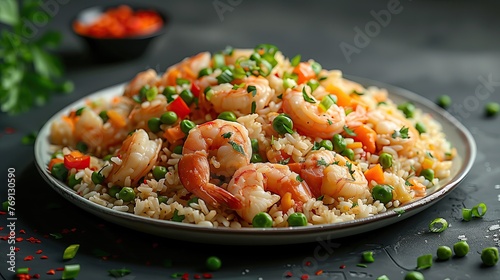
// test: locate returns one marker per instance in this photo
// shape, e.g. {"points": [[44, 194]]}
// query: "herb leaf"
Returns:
{"points": [[227, 135], [322, 161], [307, 98], [349, 131], [237, 147], [252, 90], [402, 133]]}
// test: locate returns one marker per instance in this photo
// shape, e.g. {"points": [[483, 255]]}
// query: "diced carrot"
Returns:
{"points": [[116, 119], [76, 153], [376, 173], [420, 189], [172, 76], [286, 201], [367, 136], [54, 161], [295, 167], [427, 163], [304, 72], [355, 145], [173, 134], [343, 99]]}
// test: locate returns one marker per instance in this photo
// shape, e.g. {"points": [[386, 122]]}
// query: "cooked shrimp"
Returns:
{"points": [[147, 110], [260, 185], [388, 127], [308, 118], [311, 170], [137, 157], [218, 147], [188, 68], [344, 179], [148, 77], [97, 135], [240, 100]]}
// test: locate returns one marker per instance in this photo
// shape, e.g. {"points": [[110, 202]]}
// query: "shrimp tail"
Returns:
{"points": [[194, 172]]}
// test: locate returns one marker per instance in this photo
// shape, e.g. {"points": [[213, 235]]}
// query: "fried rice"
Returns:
{"points": [[220, 138]]}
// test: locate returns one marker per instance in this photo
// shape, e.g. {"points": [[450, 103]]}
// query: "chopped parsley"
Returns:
{"points": [[252, 90], [227, 135], [307, 98], [402, 133], [349, 167], [349, 131], [298, 178], [322, 162], [237, 147]]}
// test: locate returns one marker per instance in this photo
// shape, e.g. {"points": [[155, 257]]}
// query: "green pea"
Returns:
{"points": [[97, 177], [154, 124], [228, 116], [162, 199], [297, 219], [187, 96], [461, 248], [414, 275], [256, 158], [72, 181], [489, 256], [169, 117], [407, 108], [104, 116], [59, 171], [82, 147], [113, 191], [177, 150], [420, 127], [283, 124], [126, 194], [205, 72], [492, 109], [327, 144], [159, 172], [444, 101], [142, 92], [262, 220], [382, 193], [213, 263], [187, 125], [169, 91], [443, 253], [255, 145], [348, 153], [428, 174], [385, 159], [339, 144]]}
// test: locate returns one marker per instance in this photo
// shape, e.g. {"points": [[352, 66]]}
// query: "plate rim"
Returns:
{"points": [[262, 235]]}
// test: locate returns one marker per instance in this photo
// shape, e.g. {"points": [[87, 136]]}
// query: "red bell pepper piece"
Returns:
{"points": [[79, 162], [179, 107]]}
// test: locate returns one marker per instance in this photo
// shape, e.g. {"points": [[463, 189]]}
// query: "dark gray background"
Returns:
{"points": [[429, 47]]}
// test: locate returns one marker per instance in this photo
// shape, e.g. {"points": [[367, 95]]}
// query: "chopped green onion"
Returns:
{"points": [[368, 256], [382, 277], [79, 111], [209, 92], [467, 214], [289, 83], [151, 93], [313, 84], [219, 60], [104, 116], [479, 210], [225, 77], [205, 72], [361, 265], [316, 67], [253, 108], [70, 251], [70, 271], [438, 225], [424, 261], [326, 103], [119, 272], [349, 131]]}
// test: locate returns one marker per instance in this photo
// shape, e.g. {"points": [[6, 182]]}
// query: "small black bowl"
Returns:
{"points": [[118, 49]]}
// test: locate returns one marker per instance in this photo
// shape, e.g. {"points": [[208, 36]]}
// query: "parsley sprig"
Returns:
{"points": [[29, 73]]}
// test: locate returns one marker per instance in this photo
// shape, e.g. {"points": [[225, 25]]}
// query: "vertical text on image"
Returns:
{"points": [[11, 218]]}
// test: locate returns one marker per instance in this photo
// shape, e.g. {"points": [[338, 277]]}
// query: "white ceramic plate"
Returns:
{"points": [[455, 131]]}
